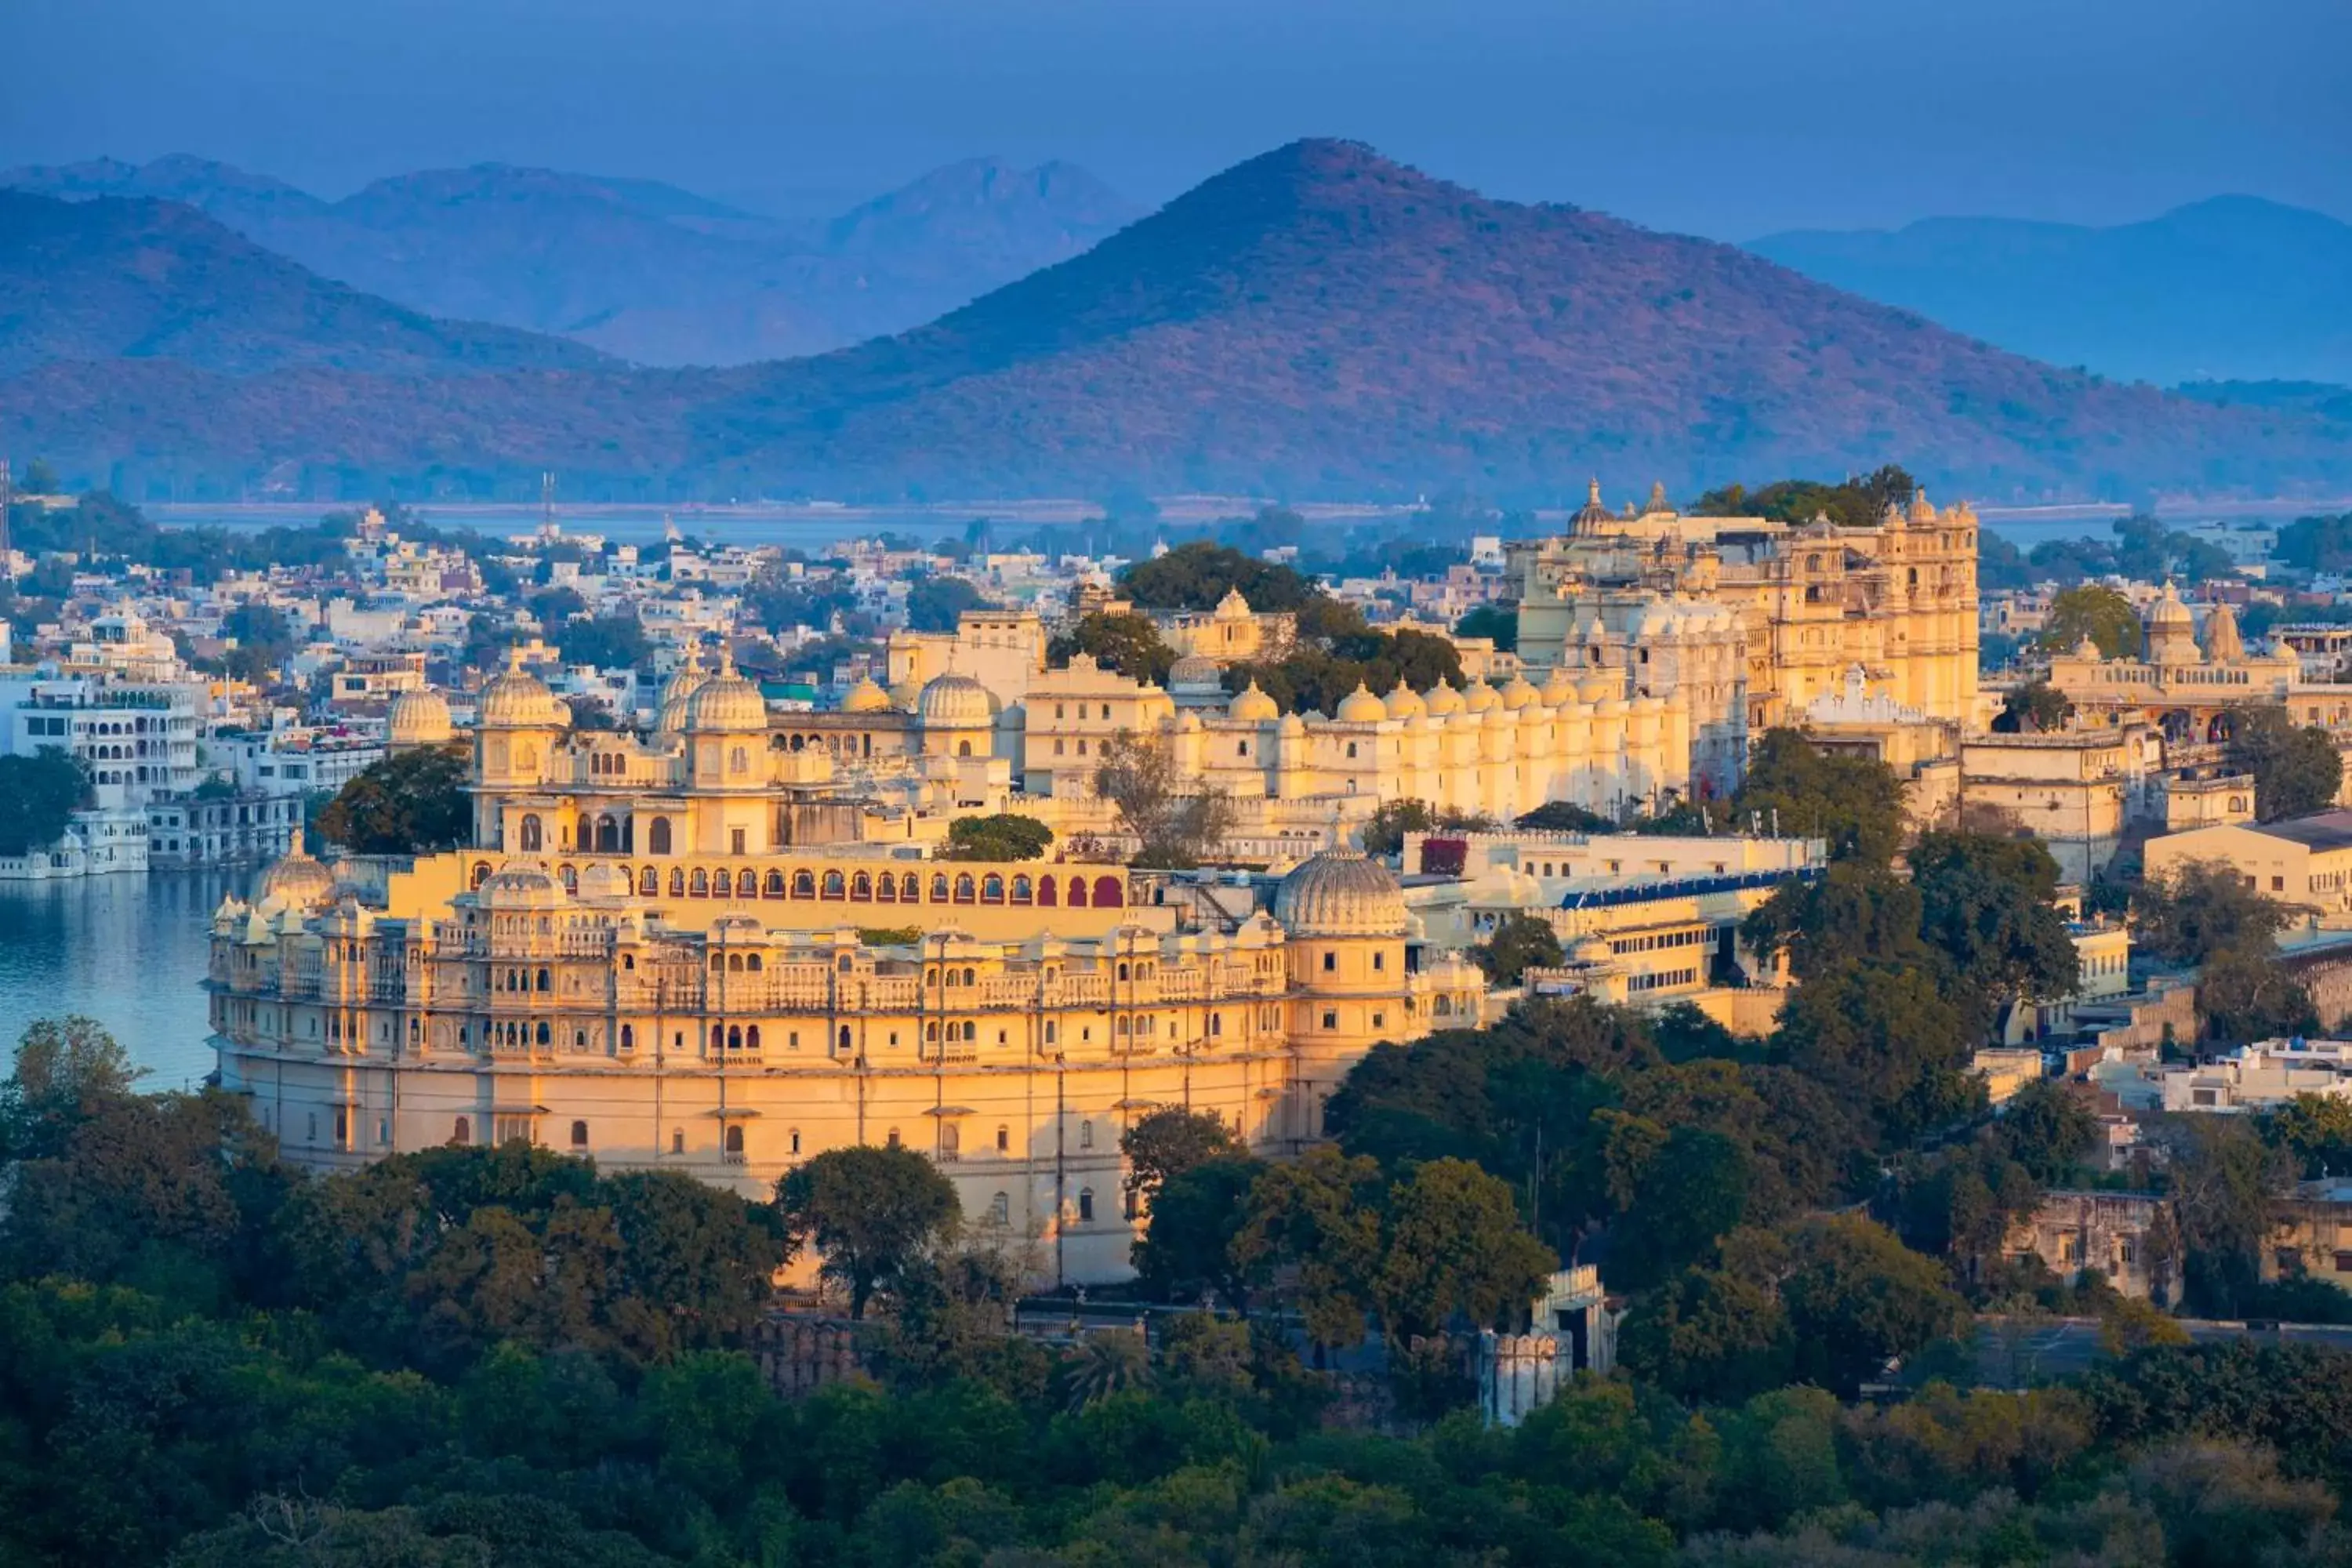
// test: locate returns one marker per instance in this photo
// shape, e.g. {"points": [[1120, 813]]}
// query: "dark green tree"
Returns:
{"points": [[1195, 576], [411, 803], [38, 795], [1491, 621], [2199, 909], [871, 1213], [1004, 836], [2296, 769], [2096, 612], [1168, 1142], [1518, 943], [936, 603], [1855, 803], [2035, 708], [1128, 644]]}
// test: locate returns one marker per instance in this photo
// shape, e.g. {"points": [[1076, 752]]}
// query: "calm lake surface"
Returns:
{"points": [[129, 952]]}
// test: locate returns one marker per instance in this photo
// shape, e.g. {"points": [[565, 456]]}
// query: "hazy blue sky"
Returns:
{"points": [[1724, 117]]}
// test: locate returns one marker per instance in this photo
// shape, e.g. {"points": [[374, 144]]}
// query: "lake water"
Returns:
{"points": [[129, 951]]}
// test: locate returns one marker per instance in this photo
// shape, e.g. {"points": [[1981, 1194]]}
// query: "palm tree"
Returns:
{"points": [[1106, 1363]]}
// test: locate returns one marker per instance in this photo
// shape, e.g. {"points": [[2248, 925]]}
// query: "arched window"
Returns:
{"points": [[734, 962], [907, 886], [931, 1032], [1004, 1139], [739, 760], [751, 1038], [1021, 893], [677, 882], [964, 887], [649, 883], [579, 1135], [1216, 1024], [939, 888], [1046, 891], [1106, 893], [751, 963], [747, 883], [1087, 1129], [1086, 1206], [481, 872], [892, 1141], [608, 834], [678, 1140], [835, 887], [963, 748], [886, 890], [796, 1141], [844, 1037], [657, 836], [570, 877], [532, 834], [545, 981], [999, 1209], [950, 1140], [735, 1134], [1077, 893], [804, 884], [861, 888], [628, 1037], [700, 885], [734, 1037], [972, 977], [463, 1133], [991, 889], [544, 1038]]}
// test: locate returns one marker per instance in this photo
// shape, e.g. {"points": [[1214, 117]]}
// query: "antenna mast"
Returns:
{"points": [[547, 503]]}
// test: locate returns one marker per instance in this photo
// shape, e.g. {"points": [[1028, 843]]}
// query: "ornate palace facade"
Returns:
{"points": [[633, 963], [1752, 620]]}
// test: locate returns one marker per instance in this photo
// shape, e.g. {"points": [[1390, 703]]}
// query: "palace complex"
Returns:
{"points": [[1751, 620], [635, 961]]}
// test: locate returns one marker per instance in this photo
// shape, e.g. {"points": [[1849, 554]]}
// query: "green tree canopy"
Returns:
{"points": [[1166, 1142], [1128, 643], [38, 795], [871, 1213], [935, 604], [2296, 769], [1006, 836], [606, 642], [1491, 621], [2096, 612], [2199, 909], [1195, 576], [1519, 943], [1855, 803], [411, 803]]}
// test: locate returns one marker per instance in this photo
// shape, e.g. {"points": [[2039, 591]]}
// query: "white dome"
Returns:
{"points": [[520, 884], [1443, 699], [1361, 707], [1518, 694], [417, 719], [1340, 894], [1404, 702], [953, 701], [519, 701], [729, 703], [865, 698], [296, 880], [1195, 671], [1253, 706], [1477, 697]]}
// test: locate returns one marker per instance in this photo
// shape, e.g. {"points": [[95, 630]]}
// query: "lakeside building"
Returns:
{"points": [[1752, 620], [635, 961]]}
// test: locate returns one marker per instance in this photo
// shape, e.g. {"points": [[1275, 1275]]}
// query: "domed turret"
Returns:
{"points": [[1404, 702], [522, 884], [1233, 606], [419, 718], [1339, 893], [1361, 707], [295, 879], [866, 697], [1518, 694], [2172, 631], [1194, 672], [726, 704], [1558, 687], [521, 701], [1443, 700], [953, 701], [1253, 706], [1477, 697], [682, 685]]}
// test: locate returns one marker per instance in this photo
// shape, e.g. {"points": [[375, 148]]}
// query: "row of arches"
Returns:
{"points": [[1047, 892]]}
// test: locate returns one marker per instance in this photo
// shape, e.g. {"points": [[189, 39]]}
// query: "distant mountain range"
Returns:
{"points": [[640, 270], [1316, 321], [2232, 289]]}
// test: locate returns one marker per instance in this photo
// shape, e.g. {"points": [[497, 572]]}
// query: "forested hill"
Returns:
{"points": [[139, 280], [1318, 321]]}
